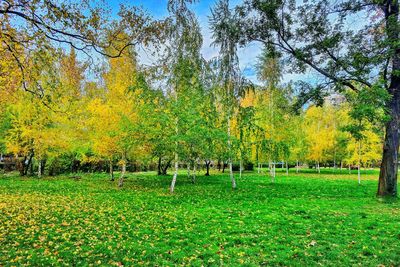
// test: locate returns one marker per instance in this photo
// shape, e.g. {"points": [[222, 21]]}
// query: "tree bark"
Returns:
{"points": [[194, 172], [208, 162], [241, 168], [230, 156], [39, 168], [165, 168], [273, 172], [188, 170], [123, 170], [175, 173], [359, 162], [159, 166], [388, 172]]}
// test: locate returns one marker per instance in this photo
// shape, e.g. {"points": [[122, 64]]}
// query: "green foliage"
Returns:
{"points": [[367, 107], [307, 219]]}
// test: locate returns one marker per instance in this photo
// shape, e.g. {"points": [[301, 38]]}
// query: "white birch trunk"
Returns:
{"points": [[123, 170], [273, 172], [270, 169], [194, 173], [359, 162], [39, 168], [175, 173], [230, 157], [188, 170], [287, 168], [241, 169]]}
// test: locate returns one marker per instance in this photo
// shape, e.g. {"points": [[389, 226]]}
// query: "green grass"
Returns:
{"points": [[306, 219]]}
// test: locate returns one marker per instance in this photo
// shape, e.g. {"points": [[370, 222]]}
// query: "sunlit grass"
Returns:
{"points": [[303, 219]]}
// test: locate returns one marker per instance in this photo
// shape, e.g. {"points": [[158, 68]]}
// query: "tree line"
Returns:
{"points": [[184, 110]]}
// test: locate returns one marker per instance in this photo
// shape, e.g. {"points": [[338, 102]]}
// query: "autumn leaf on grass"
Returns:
{"points": [[312, 243], [64, 223]]}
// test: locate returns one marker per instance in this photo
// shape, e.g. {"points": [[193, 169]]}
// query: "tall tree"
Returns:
{"points": [[321, 36], [230, 79], [184, 79], [85, 25]]}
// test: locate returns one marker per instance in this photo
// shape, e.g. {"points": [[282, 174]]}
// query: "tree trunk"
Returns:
{"points": [[39, 168], [273, 172], [240, 169], [111, 170], [194, 172], [159, 166], [297, 166], [318, 167], [287, 168], [223, 167], [188, 170], [28, 164], [359, 162], [270, 168], [175, 173], [230, 153], [208, 162], [388, 173], [123, 170], [165, 168]]}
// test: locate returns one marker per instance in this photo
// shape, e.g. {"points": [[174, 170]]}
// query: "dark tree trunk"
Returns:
{"points": [[165, 168], [388, 172], [219, 165], [223, 167], [21, 166], [25, 165], [159, 172], [208, 162]]}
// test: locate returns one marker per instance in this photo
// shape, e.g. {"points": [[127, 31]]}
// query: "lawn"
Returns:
{"points": [[306, 219]]}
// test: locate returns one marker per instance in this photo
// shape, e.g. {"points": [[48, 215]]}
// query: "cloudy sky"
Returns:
{"points": [[158, 9]]}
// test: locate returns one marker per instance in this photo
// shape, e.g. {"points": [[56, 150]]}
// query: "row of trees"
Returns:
{"points": [[185, 109], [124, 118]]}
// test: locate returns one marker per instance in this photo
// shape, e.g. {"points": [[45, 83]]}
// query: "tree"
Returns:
{"points": [[114, 120], [185, 72], [230, 79], [39, 24], [314, 36]]}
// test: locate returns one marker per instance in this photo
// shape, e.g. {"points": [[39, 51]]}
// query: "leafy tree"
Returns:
{"points": [[314, 36], [184, 75], [40, 24], [230, 80]]}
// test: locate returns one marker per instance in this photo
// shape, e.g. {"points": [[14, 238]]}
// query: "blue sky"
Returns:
{"points": [[158, 9]]}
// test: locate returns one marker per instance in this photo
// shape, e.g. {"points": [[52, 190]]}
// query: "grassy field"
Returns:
{"points": [[306, 219]]}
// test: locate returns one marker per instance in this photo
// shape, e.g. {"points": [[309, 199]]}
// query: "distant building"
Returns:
{"points": [[335, 99]]}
